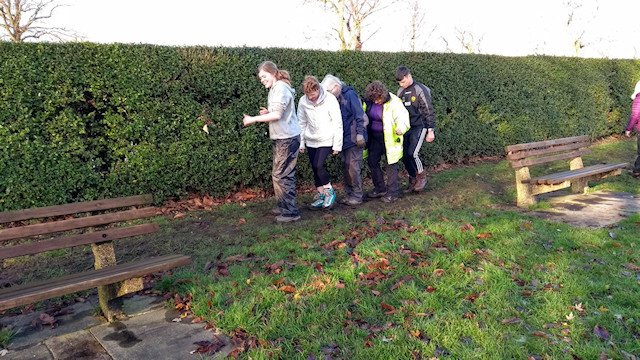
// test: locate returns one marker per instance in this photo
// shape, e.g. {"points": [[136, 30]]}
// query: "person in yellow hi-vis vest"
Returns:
{"points": [[388, 121]]}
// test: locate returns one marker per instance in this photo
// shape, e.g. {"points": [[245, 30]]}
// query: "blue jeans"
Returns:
{"points": [[283, 174]]}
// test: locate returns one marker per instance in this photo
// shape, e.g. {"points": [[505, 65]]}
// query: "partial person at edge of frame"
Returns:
{"points": [[634, 123], [284, 132]]}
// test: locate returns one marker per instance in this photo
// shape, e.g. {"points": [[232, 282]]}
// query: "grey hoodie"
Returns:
{"points": [[282, 99]]}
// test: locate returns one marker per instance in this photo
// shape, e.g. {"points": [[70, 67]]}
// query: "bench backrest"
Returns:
{"points": [[541, 152], [44, 228]]}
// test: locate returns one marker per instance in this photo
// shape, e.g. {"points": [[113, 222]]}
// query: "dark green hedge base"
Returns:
{"points": [[82, 121]]}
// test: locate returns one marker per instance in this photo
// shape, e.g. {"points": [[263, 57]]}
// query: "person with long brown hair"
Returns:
{"points": [[284, 132]]}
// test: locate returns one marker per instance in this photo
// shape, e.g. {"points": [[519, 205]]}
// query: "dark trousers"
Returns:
{"points": [[317, 158], [352, 169], [413, 140], [636, 165], [376, 151], [283, 174]]}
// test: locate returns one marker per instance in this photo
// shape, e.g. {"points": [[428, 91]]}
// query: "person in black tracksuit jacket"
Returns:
{"points": [[417, 100]]}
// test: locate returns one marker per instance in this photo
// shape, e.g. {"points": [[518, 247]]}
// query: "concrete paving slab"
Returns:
{"points": [[77, 345], [595, 210], [153, 335], [30, 331], [37, 352]]}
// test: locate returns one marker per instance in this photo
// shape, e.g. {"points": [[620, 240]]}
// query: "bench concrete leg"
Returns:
{"points": [[110, 304], [525, 198], [578, 186]]}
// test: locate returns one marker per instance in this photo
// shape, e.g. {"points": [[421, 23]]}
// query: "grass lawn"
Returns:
{"points": [[457, 272]]}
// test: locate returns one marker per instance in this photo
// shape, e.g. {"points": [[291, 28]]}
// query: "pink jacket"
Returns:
{"points": [[634, 118]]}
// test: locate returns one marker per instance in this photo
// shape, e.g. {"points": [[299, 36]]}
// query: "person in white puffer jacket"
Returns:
{"points": [[321, 135]]}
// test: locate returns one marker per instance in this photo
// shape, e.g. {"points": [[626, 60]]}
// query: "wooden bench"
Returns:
{"points": [[21, 235], [522, 156]]}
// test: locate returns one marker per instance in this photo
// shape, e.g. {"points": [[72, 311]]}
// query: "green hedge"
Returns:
{"points": [[82, 121]]}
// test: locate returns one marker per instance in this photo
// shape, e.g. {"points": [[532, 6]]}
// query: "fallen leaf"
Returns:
{"points": [[601, 332], [47, 319], [287, 289], [179, 215], [339, 285], [513, 320], [438, 272], [484, 235], [467, 227], [242, 221]]}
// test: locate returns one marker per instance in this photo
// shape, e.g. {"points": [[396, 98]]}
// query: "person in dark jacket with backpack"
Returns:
{"points": [[416, 98], [354, 126]]}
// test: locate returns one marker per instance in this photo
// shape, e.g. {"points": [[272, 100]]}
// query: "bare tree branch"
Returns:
{"points": [[26, 19], [351, 16]]}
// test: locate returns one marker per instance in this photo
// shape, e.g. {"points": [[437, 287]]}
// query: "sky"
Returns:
{"points": [[608, 28]]}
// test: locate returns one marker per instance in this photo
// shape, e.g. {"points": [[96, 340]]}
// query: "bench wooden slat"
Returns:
{"points": [[76, 240], [77, 223], [546, 159], [549, 150], [30, 293], [538, 144], [80, 207], [578, 173]]}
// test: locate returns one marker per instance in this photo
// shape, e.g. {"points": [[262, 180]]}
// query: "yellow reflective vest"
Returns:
{"points": [[394, 117]]}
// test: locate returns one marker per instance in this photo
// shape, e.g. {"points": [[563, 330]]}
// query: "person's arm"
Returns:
{"points": [[355, 106], [425, 107], [266, 117], [302, 121], [277, 104], [336, 120], [400, 116]]}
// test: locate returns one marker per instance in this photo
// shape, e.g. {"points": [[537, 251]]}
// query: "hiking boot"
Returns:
{"points": [[635, 174], [389, 198], [410, 185], [276, 211], [375, 194], [350, 201], [329, 198], [421, 182], [318, 202], [286, 219]]}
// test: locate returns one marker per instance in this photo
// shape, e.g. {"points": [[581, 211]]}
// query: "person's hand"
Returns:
{"points": [[301, 150], [247, 120], [263, 110], [627, 133], [431, 135], [335, 152], [360, 141], [399, 132]]}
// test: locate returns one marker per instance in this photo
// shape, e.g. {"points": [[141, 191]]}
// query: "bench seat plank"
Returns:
{"points": [[67, 209], [560, 177], [29, 293], [77, 240]]}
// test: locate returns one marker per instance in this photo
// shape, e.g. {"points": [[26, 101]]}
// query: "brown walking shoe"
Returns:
{"points": [[421, 182]]}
